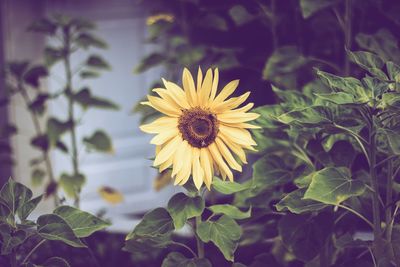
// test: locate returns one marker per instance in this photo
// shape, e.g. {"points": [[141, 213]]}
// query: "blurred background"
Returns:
{"points": [[260, 42]]}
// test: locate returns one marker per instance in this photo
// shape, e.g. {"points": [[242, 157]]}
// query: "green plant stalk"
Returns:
{"points": [[200, 244], [36, 123], [71, 117], [389, 199], [13, 259], [378, 244]]}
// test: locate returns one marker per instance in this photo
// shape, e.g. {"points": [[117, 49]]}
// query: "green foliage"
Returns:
{"points": [[182, 207], [100, 142], [66, 224], [176, 259]]}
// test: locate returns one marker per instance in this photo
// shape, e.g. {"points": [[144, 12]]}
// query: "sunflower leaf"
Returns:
{"points": [[182, 207], [176, 259]]}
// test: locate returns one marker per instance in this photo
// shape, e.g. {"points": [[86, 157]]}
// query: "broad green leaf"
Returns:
{"points": [[33, 75], [333, 186], [305, 235], [15, 195], [86, 74], [383, 43], [52, 55], [100, 142], [149, 246], [342, 153], [240, 15], [37, 176], [82, 223], [85, 98], [230, 210], [53, 227], [295, 203], [10, 238], [390, 100], [224, 233], [38, 105], [72, 184], [87, 40], [339, 98], [182, 207], [150, 61], [271, 171], [27, 208], [309, 7], [317, 151], [394, 141], [347, 241], [97, 62], [55, 262], [393, 71], [282, 65], [315, 116], [369, 62], [56, 128], [292, 98], [5, 213], [227, 187], [155, 223], [176, 259]]}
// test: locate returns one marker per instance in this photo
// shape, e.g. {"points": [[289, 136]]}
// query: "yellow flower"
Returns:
{"points": [[200, 129], [160, 17]]}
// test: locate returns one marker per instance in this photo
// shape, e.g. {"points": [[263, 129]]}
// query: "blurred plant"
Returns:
{"points": [[66, 224], [67, 36]]}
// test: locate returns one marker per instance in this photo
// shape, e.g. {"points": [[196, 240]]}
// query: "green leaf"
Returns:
{"points": [[53, 227], [85, 98], [224, 233], [10, 238], [150, 61], [176, 259], [15, 195], [309, 7], [55, 262], [72, 184], [393, 71], [86, 74], [282, 65], [314, 116], [154, 223], [369, 62], [33, 75], [52, 55], [28, 207], [97, 62], [240, 15], [38, 104], [227, 187], [292, 98], [214, 21], [333, 186], [295, 203], [390, 100], [37, 176], [339, 98], [82, 223], [342, 153], [56, 128], [383, 43], [100, 142], [305, 235], [394, 141], [87, 40], [182, 207], [231, 211], [270, 171], [41, 142]]}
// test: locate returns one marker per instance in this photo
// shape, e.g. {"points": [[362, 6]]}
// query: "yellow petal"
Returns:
{"points": [[163, 106], [237, 149], [183, 175], [198, 172], [166, 95], [237, 135], [188, 86], [237, 117], [160, 125], [180, 157], [227, 155], [214, 85], [224, 169], [168, 150], [166, 164], [206, 165], [229, 104], [199, 79], [205, 90], [243, 125], [226, 91], [164, 136], [242, 109], [177, 94]]}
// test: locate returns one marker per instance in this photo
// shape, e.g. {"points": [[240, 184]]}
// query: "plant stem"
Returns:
{"points": [[71, 118], [389, 198], [200, 244], [357, 214], [347, 34], [378, 246], [38, 130], [13, 259], [33, 250]]}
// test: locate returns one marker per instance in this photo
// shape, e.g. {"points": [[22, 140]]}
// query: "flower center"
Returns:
{"points": [[198, 126]]}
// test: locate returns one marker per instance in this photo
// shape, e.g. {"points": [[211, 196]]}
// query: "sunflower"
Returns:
{"points": [[200, 131]]}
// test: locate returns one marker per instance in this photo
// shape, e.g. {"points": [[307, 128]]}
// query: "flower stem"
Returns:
{"points": [[200, 244]]}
